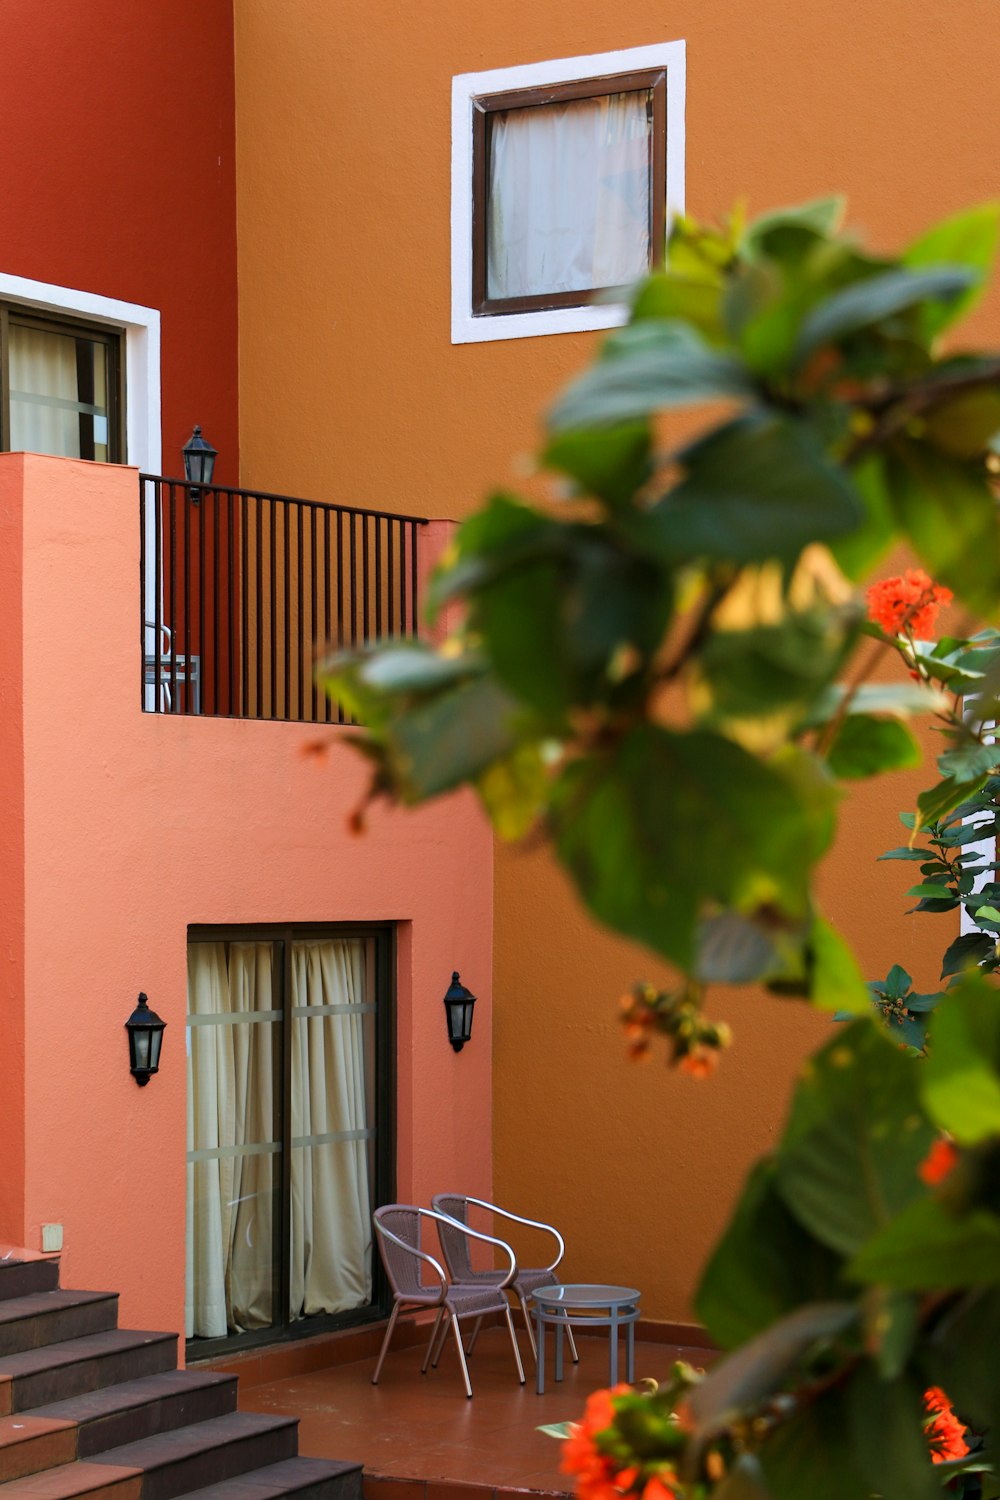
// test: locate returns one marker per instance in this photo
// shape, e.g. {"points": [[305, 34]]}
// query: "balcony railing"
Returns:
{"points": [[243, 593]]}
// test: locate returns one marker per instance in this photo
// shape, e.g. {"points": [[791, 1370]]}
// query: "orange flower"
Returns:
{"points": [[945, 1433], [662, 1486], [701, 1062], [939, 1162], [909, 602]]}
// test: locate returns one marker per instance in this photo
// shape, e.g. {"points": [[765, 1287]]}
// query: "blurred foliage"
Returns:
{"points": [[667, 675]]}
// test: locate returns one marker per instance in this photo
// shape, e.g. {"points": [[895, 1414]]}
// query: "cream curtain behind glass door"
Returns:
{"points": [[569, 195], [331, 1201], [230, 1246], [43, 365]]}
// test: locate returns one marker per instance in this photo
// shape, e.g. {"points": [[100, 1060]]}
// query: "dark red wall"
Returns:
{"points": [[118, 176]]}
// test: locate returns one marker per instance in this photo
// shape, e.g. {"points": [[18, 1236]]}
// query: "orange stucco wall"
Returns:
{"points": [[350, 388], [134, 826]]}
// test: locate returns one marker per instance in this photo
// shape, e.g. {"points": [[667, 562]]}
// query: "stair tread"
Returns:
{"points": [[72, 1479], [277, 1479], [30, 1304], [91, 1405], [199, 1437], [71, 1351]]}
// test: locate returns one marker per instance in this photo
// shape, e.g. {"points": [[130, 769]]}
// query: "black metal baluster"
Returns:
{"points": [[173, 602], [273, 609], [245, 601], [365, 612], [233, 607], [402, 578], [314, 602], [288, 611], [327, 578], [340, 597], [202, 603], [299, 586], [378, 578], [414, 608], [187, 604], [216, 591], [391, 574]]}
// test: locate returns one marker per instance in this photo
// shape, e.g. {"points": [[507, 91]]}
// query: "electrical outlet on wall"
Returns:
{"points": [[52, 1237]]}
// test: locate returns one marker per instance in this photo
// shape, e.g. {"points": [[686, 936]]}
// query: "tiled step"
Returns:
{"points": [[191, 1458], [118, 1414], [95, 1481], [305, 1478], [22, 1278], [41, 1376], [40, 1318]]}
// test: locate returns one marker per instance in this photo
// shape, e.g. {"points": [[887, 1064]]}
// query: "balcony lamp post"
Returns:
{"points": [[458, 1003], [199, 463], [145, 1037]]}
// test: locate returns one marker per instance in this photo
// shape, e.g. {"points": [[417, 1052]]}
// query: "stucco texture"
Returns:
{"points": [[351, 389], [133, 826]]}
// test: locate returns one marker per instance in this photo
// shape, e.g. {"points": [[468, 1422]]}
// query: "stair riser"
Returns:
{"points": [[31, 1276], [39, 1329], [163, 1415], [223, 1462], [63, 1381], [46, 1451]]}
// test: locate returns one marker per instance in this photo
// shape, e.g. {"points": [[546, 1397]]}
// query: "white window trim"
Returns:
{"points": [[141, 327], [468, 329]]}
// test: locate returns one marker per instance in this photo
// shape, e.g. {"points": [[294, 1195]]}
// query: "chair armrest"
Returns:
{"points": [[476, 1234], [505, 1213], [420, 1255]]}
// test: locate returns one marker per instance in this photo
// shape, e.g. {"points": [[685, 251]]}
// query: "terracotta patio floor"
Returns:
{"points": [[413, 1427]]}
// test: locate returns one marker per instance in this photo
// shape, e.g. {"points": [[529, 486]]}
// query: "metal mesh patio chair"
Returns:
{"points": [[397, 1229], [455, 1245]]}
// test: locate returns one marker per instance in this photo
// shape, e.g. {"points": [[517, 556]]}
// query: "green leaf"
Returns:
{"points": [[969, 760], [905, 853], [964, 426], [930, 892], [560, 1430], [760, 487], [926, 1248], [900, 698], [855, 1138], [886, 1437], [442, 743], [819, 216], [875, 299], [966, 239], [945, 507], [611, 463], [835, 979], [934, 804], [647, 367], [514, 790], [960, 1357], [751, 672], [622, 820], [764, 1363], [789, 1457], [859, 550], [764, 1266], [733, 949], [961, 1079], [892, 1331], [967, 951], [866, 746]]}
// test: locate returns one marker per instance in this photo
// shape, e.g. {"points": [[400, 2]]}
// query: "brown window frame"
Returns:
{"points": [[98, 333], [484, 105]]}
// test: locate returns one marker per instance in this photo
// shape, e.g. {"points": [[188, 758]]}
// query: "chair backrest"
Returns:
{"points": [[402, 1261], [454, 1244]]}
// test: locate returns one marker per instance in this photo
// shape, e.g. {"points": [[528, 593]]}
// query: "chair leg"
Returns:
{"points": [[461, 1356], [431, 1342], [475, 1334], [442, 1335], [531, 1331], [513, 1343], [385, 1342]]}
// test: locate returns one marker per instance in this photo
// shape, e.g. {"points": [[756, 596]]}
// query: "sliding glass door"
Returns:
{"points": [[289, 1128]]}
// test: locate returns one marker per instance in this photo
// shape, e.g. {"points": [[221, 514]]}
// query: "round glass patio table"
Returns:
{"points": [[586, 1305]]}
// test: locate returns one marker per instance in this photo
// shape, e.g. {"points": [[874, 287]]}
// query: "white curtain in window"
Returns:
{"points": [[331, 1201], [569, 195], [42, 366], [231, 1134]]}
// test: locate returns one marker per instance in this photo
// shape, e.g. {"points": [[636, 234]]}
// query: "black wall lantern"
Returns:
{"points": [[199, 462], [458, 1003], [145, 1037]]}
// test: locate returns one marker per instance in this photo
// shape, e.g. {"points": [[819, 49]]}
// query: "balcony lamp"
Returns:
{"points": [[145, 1037], [199, 462], [458, 1003]]}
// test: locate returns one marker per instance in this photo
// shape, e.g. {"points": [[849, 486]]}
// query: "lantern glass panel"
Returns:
{"points": [[140, 1045], [155, 1043]]}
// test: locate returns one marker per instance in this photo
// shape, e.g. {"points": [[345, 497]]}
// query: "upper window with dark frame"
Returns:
{"points": [[564, 178], [60, 386], [569, 191]]}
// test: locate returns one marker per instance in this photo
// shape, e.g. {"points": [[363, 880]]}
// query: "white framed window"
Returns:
{"points": [[140, 328], [565, 175]]}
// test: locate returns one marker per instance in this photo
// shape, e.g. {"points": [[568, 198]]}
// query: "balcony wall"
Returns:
{"points": [[120, 828]]}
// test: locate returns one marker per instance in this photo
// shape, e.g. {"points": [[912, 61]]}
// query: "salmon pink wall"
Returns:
{"points": [[343, 116], [135, 826], [117, 147]]}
